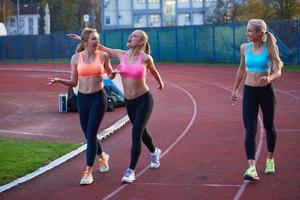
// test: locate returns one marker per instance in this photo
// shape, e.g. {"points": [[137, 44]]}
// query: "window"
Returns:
{"points": [[183, 1], [197, 1], [154, 19], [141, 1], [30, 24], [13, 22], [138, 19], [107, 20], [187, 18], [153, 1]]}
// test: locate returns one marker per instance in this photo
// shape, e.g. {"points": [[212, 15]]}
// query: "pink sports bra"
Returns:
{"points": [[136, 70], [90, 69]]}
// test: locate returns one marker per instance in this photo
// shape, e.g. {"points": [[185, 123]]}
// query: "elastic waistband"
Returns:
{"points": [[91, 94], [139, 97]]}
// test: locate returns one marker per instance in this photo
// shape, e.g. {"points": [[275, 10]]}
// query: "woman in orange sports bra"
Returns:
{"points": [[138, 100], [87, 70]]}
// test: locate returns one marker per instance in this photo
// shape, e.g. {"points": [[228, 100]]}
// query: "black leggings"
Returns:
{"points": [[139, 111], [266, 99], [91, 108]]}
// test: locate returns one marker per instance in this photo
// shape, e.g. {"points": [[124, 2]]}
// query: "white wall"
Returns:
{"points": [[28, 25]]}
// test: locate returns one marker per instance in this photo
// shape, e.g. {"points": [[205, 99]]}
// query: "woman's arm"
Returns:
{"points": [[239, 75], [116, 53], [275, 72], [74, 75], [151, 67], [107, 66]]}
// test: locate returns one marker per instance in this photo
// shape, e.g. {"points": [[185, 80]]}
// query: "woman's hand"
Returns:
{"points": [[51, 81], [161, 86], [74, 36], [264, 80], [234, 97]]}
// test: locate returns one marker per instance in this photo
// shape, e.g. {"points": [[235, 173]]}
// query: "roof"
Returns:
{"points": [[29, 9]]}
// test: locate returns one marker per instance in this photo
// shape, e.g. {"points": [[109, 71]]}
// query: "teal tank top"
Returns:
{"points": [[257, 62]]}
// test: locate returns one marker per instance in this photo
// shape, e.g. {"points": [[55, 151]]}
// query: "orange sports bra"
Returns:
{"points": [[92, 69], [136, 70]]}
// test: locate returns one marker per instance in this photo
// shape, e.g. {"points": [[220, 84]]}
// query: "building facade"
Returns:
{"points": [[151, 13]]}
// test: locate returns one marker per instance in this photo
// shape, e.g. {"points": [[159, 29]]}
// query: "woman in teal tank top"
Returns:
{"points": [[260, 64]]}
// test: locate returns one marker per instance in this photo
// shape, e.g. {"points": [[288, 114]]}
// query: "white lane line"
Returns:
{"points": [[110, 130], [170, 147], [221, 185], [36, 70], [27, 133], [288, 93], [288, 130], [188, 184], [259, 147]]}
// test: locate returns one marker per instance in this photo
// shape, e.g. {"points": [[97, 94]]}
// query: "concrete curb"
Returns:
{"points": [[101, 135]]}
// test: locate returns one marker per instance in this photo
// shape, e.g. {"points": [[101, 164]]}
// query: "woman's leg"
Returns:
{"points": [[250, 113], [139, 111], [268, 102], [96, 115]]}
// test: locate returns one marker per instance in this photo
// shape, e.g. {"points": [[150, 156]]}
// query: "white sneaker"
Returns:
{"points": [[104, 167], [87, 178], [155, 158], [129, 176]]}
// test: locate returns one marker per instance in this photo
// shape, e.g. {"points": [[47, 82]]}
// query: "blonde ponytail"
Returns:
{"points": [[79, 47], [147, 48], [273, 50]]}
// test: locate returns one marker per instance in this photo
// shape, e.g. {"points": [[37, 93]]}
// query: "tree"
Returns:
{"points": [[63, 14], [286, 9], [6, 10], [41, 19], [224, 11], [255, 9]]}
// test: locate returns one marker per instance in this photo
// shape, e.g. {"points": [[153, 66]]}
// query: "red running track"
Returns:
{"points": [[193, 122]]}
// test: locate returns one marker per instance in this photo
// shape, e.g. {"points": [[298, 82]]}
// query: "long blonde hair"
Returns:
{"points": [[84, 38], [146, 46], [261, 27]]}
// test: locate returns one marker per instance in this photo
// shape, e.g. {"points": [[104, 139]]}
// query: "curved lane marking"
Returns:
{"points": [[120, 188]]}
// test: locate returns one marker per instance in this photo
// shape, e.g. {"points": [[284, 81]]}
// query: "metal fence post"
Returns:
{"points": [[298, 42], [195, 43], [214, 44], [157, 42], [18, 48], [233, 31], [176, 44]]}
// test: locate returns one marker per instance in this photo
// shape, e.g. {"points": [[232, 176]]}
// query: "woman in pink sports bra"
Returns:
{"points": [[87, 70], [138, 100]]}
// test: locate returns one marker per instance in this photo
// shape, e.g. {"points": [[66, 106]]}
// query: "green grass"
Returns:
{"points": [[20, 157]]}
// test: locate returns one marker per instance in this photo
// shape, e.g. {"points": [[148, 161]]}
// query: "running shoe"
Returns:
{"points": [[87, 178], [251, 174], [129, 176], [103, 161], [155, 158], [270, 166]]}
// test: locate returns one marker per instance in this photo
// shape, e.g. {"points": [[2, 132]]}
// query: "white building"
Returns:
{"points": [[151, 13], [28, 20]]}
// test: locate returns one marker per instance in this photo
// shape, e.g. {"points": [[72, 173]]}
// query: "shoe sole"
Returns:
{"points": [[127, 181], [250, 178], [269, 172]]}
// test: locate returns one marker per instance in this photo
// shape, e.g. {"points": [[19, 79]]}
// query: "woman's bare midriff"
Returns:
{"points": [[134, 87], [252, 79], [90, 84]]}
